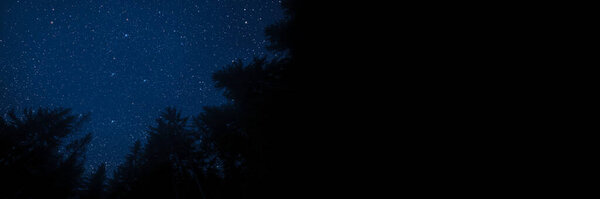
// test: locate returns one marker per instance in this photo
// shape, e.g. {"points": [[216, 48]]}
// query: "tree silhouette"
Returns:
{"points": [[125, 178], [273, 108], [170, 166], [96, 187], [34, 160]]}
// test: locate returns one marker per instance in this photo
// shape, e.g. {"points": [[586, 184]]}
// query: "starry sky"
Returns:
{"points": [[124, 61]]}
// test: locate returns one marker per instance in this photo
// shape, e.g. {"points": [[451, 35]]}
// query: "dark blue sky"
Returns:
{"points": [[124, 61]]}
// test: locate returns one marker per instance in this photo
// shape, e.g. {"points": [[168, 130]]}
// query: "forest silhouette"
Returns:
{"points": [[253, 147]]}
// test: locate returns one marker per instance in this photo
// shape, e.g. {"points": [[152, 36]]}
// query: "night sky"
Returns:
{"points": [[124, 61]]}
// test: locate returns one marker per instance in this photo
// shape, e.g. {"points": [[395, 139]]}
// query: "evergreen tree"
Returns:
{"points": [[271, 125], [35, 161], [127, 174], [170, 166], [96, 187]]}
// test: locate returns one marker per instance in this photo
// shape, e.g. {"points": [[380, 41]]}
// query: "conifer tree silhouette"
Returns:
{"points": [[265, 127], [125, 177], [170, 165], [96, 186], [35, 160]]}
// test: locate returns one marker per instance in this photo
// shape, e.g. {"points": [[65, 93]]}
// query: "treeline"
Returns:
{"points": [[249, 148]]}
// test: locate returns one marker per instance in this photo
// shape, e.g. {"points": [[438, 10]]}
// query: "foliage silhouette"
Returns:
{"points": [[35, 160], [96, 186], [168, 166], [127, 174]]}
